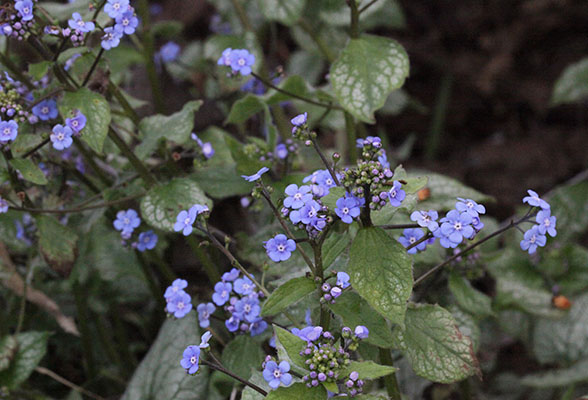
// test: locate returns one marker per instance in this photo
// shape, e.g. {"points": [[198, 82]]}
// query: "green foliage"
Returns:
{"points": [[286, 12], [434, 346], [287, 294], [576, 373], [160, 376], [368, 369], [23, 143], [569, 204], [29, 170], [289, 347], [468, 298], [368, 69], [97, 111], [38, 70], [298, 391], [57, 244], [8, 350], [383, 278], [32, 347], [572, 85], [335, 193], [162, 204], [241, 355]]}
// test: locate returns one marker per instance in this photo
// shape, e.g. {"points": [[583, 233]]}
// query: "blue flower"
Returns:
{"points": [[241, 61], [127, 221], [179, 304], [76, 22], [546, 223], [6, 29], [342, 279], [205, 310], [369, 141], [307, 214], [411, 236], [281, 151], [115, 8], [533, 238], [3, 205], [184, 221], [61, 137], [244, 286], [444, 240], [247, 309], [256, 176], [322, 181], [225, 58], [25, 9], [279, 248], [204, 340], [533, 200], [232, 323], [169, 52], [477, 224], [190, 359], [46, 110], [361, 332], [297, 197], [277, 375], [127, 22], [396, 194], [147, 241], [177, 286], [383, 159], [76, 123], [426, 219], [347, 208], [469, 206], [455, 226], [222, 292], [300, 119], [257, 327], [309, 334], [207, 149], [8, 131], [112, 37], [231, 275]]}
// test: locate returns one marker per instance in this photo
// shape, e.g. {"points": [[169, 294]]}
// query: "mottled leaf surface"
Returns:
{"points": [[32, 347], [286, 12], [287, 294], [29, 170], [572, 85]]}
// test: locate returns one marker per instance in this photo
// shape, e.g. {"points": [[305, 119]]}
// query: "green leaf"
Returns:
{"points": [[97, 111], [333, 246], [366, 72], [29, 170], [32, 347], [39, 70], [23, 143], [368, 369], [468, 298], [289, 346], [293, 84], [298, 391], [176, 127], [160, 376], [57, 243], [355, 311], [559, 377], [257, 379], [434, 346], [241, 355], [286, 12], [8, 350], [566, 339], [467, 325], [381, 272], [570, 205], [572, 85], [413, 183], [245, 108], [162, 204], [287, 294], [330, 200]]}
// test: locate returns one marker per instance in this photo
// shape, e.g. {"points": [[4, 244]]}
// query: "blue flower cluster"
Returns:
{"points": [[61, 136], [461, 223], [126, 222], [331, 292], [240, 61], [191, 357], [186, 218], [545, 224], [178, 302], [15, 99], [18, 21], [238, 296]]}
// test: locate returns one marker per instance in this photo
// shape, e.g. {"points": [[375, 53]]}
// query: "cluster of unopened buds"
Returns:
{"points": [[331, 292]]}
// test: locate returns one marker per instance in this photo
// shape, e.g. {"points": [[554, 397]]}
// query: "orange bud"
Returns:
{"points": [[424, 194], [561, 302]]}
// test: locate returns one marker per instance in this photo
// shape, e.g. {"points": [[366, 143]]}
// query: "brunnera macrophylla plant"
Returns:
{"points": [[328, 295]]}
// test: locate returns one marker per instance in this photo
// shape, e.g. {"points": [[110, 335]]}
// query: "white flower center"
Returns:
{"points": [[60, 136], [533, 239], [45, 110], [180, 305], [457, 226], [412, 239], [345, 210], [205, 315], [247, 308], [116, 6], [193, 360], [7, 131], [470, 204], [297, 196], [125, 22], [393, 193], [546, 222], [187, 221], [81, 23], [277, 373], [241, 61], [126, 220], [74, 123], [25, 10], [329, 181]]}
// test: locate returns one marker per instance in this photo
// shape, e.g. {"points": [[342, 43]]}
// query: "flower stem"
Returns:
{"points": [[324, 159], [232, 375], [93, 67], [390, 380], [351, 137], [399, 226], [354, 33], [77, 209], [133, 159], [209, 267]]}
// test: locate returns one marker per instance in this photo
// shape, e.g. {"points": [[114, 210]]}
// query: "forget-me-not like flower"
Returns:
{"points": [[455, 226], [255, 176], [190, 359], [342, 279], [76, 123], [111, 38], [279, 248], [241, 61], [116, 8], [277, 375], [205, 310], [225, 58], [179, 304], [222, 292], [25, 9], [169, 52], [147, 241], [178, 285], [396, 195], [8, 131], [533, 238], [76, 22], [300, 119], [231, 275], [61, 137], [426, 219], [247, 309], [297, 196], [469, 206], [244, 286], [546, 223], [534, 200], [185, 219], [127, 221], [127, 22], [347, 209], [411, 236], [45, 110]]}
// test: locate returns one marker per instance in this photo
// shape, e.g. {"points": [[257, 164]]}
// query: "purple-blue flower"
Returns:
{"points": [[3, 205], [177, 286], [61, 137], [241, 61], [126, 221], [374, 141], [184, 221], [232, 323], [297, 196], [204, 340], [112, 37], [205, 310], [546, 223], [247, 309], [410, 236], [190, 359], [25, 9], [309, 334], [307, 214], [455, 226], [469, 206], [169, 52], [281, 151], [225, 58], [244, 286], [179, 304], [231, 275], [426, 219], [342, 279], [533, 238], [127, 22], [361, 332], [257, 327], [396, 194], [147, 241], [277, 375], [256, 176], [46, 110], [300, 119], [347, 209], [116, 8], [279, 248], [77, 23], [76, 123], [534, 200], [222, 292], [8, 131]]}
